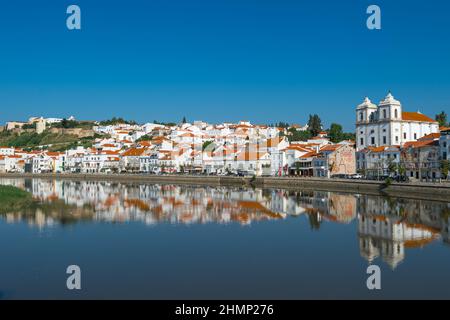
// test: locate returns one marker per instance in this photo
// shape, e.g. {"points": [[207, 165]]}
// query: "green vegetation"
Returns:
{"points": [[295, 135], [314, 124], [33, 139], [281, 124], [145, 137], [206, 144], [442, 119], [336, 134], [445, 167], [57, 141], [71, 124], [168, 124], [13, 199], [115, 120], [31, 126]]}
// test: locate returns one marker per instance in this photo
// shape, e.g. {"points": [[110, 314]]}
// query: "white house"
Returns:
{"points": [[375, 161], [444, 144], [6, 151]]}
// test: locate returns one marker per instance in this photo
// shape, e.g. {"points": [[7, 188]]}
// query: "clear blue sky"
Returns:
{"points": [[221, 60]]}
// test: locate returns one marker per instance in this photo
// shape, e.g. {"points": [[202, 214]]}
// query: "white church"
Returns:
{"points": [[387, 124]]}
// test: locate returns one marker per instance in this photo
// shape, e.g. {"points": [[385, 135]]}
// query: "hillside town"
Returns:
{"points": [[388, 142]]}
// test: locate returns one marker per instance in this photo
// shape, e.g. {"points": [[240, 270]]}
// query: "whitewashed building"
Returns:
{"points": [[444, 144], [387, 124]]}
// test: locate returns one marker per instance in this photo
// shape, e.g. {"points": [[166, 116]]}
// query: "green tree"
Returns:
{"points": [[314, 124], [392, 167], [206, 144], [445, 166], [335, 133], [442, 119], [145, 137], [115, 120], [295, 135], [401, 169]]}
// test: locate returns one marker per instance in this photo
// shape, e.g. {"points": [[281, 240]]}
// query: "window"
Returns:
{"points": [[384, 113], [404, 135], [362, 141], [445, 144], [373, 140], [384, 139], [396, 113], [396, 138], [361, 116], [415, 136]]}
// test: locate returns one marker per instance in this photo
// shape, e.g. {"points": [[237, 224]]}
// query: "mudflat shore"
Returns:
{"points": [[422, 190]]}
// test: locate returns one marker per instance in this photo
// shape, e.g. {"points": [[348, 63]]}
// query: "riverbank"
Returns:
{"points": [[427, 191], [12, 199]]}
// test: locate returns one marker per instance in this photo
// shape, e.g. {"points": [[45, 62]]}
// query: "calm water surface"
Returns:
{"points": [[150, 241]]}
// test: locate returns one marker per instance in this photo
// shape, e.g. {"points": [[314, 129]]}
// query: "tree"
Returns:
{"points": [[145, 137], [314, 124], [442, 119], [206, 144], [392, 167], [295, 135], [445, 166], [401, 170], [335, 133], [115, 120], [184, 120]]}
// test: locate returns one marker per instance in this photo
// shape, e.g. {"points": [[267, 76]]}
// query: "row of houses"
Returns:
{"points": [[418, 160], [242, 148], [191, 148]]}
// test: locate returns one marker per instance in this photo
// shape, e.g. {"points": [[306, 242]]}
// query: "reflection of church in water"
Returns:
{"points": [[387, 228], [387, 237]]}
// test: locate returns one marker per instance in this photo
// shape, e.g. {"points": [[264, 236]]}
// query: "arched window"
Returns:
{"points": [[396, 113], [384, 113], [361, 116]]}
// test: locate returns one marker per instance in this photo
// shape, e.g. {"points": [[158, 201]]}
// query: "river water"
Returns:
{"points": [[150, 241]]}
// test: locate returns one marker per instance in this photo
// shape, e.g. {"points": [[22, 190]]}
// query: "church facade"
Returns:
{"points": [[386, 124]]}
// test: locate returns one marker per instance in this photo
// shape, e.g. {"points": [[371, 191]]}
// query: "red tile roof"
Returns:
{"points": [[431, 136], [133, 152], [416, 116], [420, 144]]}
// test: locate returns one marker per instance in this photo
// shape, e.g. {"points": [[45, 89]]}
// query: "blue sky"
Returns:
{"points": [[217, 60]]}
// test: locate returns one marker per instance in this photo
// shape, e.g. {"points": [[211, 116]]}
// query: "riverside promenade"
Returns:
{"points": [[420, 190]]}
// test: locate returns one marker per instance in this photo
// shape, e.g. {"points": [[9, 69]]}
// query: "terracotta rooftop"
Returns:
{"points": [[431, 136], [133, 152], [420, 144], [416, 116]]}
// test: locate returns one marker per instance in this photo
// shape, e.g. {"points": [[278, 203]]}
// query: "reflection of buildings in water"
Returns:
{"points": [[112, 201], [66, 201], [388, 236], [445, 230]]}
